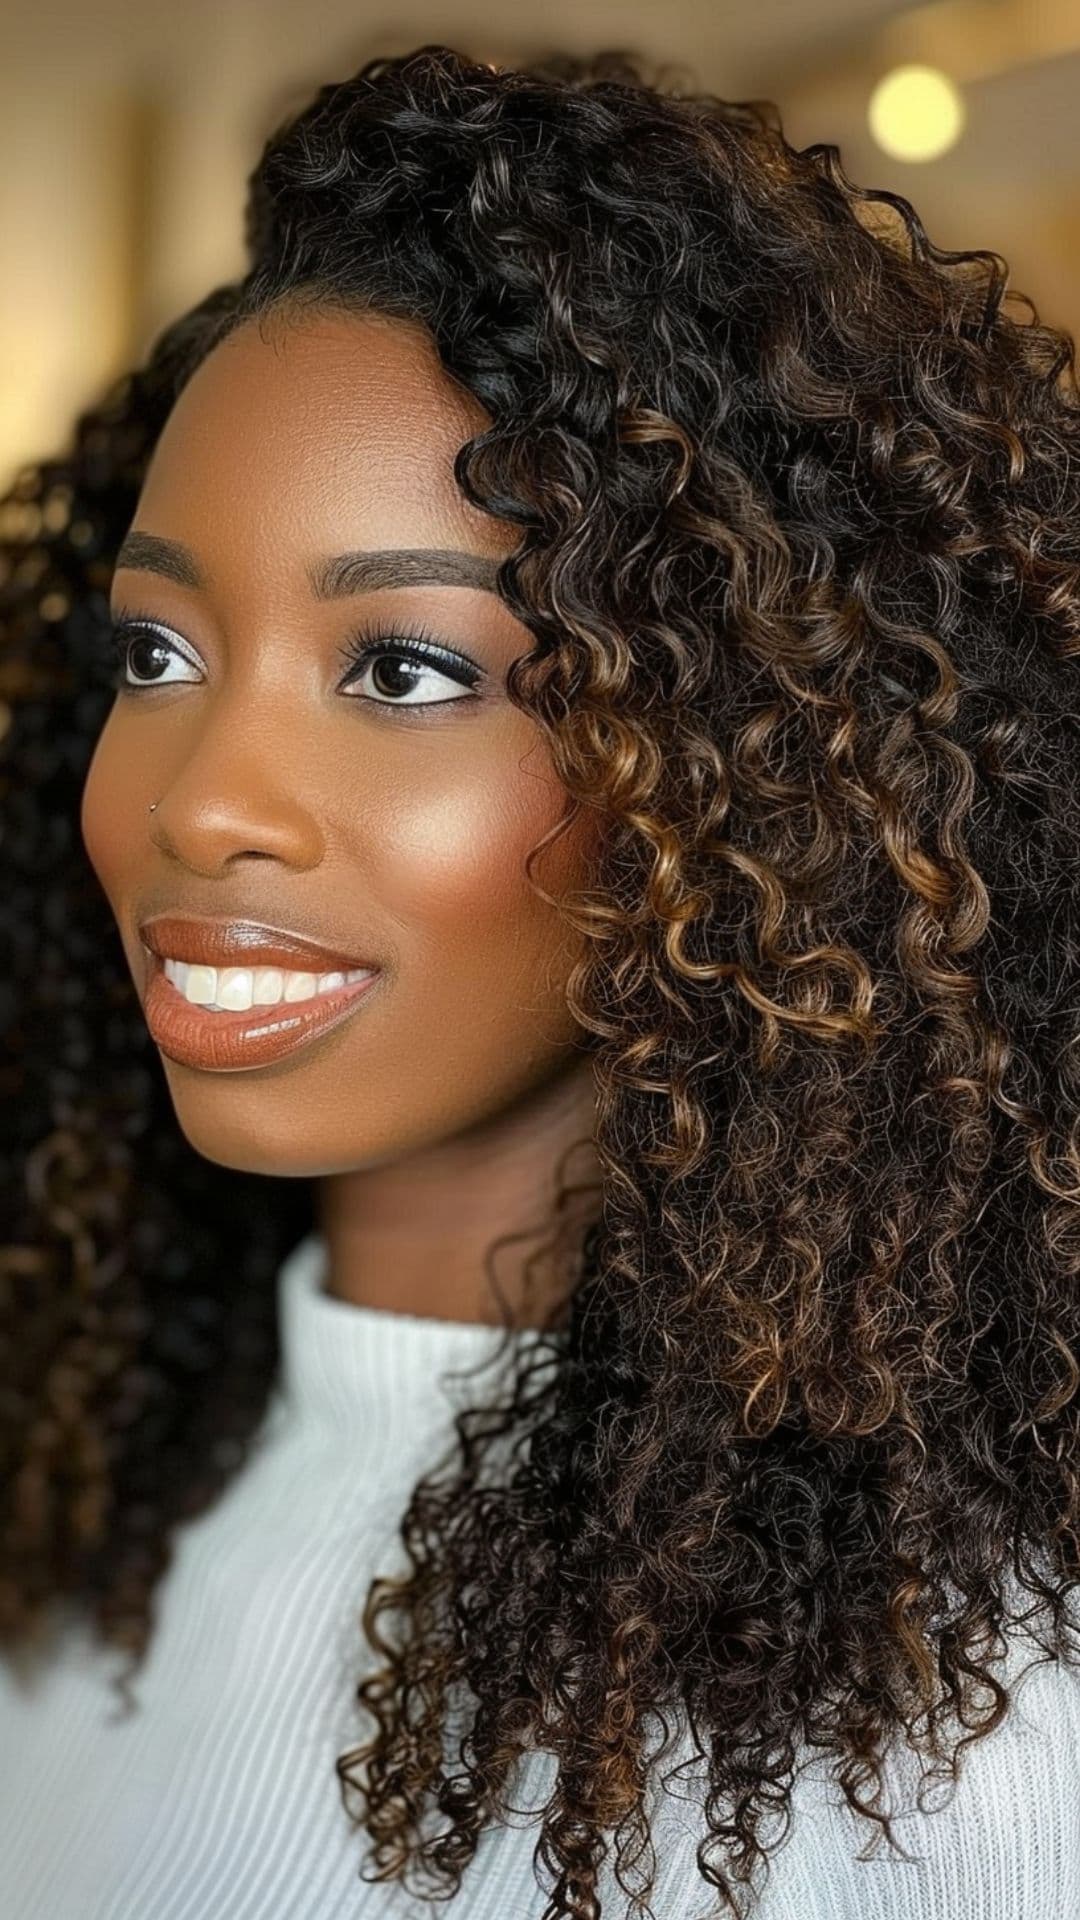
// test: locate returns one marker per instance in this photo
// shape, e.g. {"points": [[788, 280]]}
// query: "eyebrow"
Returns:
{"points": [[332, 577]]}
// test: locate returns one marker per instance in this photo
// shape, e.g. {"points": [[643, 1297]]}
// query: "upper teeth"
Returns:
{"points": [[235, 989]]}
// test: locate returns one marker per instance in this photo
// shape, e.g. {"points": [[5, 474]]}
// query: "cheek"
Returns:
{"points": [[452, 875], [110, 821]]}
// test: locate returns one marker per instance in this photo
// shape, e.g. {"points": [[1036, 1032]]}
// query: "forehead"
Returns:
{"points": [[316, 434]]}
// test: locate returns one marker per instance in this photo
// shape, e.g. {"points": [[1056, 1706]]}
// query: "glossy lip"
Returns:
{"points": [[210, 942], [228, 1042]]}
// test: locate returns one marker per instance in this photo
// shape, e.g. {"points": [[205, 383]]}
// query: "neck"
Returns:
{"points": [[413, 1234]]}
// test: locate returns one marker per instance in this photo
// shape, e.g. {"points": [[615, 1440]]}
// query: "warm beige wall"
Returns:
{"points": [[126, 134]]}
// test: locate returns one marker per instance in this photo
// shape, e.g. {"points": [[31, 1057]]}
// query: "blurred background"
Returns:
{"points": [[127, 133]]}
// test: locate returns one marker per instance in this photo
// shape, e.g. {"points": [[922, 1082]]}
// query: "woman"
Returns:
{"points": [[621, 603]]}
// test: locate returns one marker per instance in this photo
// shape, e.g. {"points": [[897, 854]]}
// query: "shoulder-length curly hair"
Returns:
{"points": [[800, 503]]}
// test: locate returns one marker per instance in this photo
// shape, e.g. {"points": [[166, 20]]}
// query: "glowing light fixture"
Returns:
{"points": [[916, 113]]}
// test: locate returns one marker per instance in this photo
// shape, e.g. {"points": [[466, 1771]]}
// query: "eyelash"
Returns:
{"points": [[407, 642]]}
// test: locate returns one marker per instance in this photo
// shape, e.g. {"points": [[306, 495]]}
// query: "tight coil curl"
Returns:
{"points": [[800, 512]]}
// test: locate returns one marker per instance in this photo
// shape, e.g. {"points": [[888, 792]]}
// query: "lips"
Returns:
{"points": [[231, 1042], [241, 943], [223, 1042]]}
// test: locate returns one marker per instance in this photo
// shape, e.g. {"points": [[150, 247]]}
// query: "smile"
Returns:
{"points": [[285, 1011]]}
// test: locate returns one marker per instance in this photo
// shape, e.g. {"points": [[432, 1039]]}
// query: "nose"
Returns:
{"points": [[205, 821]]}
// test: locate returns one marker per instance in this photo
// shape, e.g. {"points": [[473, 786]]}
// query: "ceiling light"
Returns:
{"points": [[916, 113]]}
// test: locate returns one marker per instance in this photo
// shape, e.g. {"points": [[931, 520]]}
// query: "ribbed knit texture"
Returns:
{"points": [[218, 1798]]}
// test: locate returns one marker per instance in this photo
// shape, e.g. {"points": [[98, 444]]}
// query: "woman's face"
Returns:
{"points": [[384, 812]]}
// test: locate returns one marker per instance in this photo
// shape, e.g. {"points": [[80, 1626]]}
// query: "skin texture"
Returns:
{"points": [[290, 791]]}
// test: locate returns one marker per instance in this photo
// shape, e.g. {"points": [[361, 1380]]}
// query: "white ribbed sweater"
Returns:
{"points": [[218, 1798]]}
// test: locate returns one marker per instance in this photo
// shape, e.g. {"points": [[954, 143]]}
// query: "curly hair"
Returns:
{"points": [[800, 511]]}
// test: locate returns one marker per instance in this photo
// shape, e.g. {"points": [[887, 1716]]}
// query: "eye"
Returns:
{"points": [[131, 630], [419, 655], [139, 644]]}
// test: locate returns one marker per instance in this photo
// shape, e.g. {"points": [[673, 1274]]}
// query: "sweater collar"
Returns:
{"points": [[370, 1370]]}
